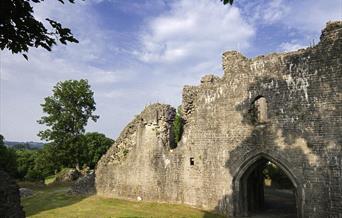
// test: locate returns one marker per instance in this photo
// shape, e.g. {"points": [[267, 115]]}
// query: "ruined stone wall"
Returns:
{"points": [[9, 197], [302, 134], [137, 164]]}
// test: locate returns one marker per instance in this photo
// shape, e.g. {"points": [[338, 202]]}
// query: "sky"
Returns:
{"points": [[138, 52]]}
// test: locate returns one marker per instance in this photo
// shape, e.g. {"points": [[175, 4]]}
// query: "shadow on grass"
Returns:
{"points": [[212, 215], [48, 198]]}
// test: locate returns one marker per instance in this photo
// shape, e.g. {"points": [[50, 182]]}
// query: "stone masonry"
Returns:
{"points": [[284, 108], [9, 197]]}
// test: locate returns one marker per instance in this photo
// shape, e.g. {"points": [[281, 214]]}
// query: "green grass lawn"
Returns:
{"points": [[54, 201]]}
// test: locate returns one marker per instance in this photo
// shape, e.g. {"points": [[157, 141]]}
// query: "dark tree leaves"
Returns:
{"points": [[19, 29], [7, 158], [178, 126], [227, 1], [95, 145]]}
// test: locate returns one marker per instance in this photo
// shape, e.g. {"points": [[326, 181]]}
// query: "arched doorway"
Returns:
{"points": [[253, 197]]}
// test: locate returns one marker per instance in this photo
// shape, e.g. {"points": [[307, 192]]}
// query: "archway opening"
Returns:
{"points": [[266, 190]]}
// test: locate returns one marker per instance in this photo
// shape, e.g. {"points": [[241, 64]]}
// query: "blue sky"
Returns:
{"points": [[137, 52]]}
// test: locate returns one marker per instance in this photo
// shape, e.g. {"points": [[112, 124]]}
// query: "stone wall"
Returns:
{"points": [[222, 138], [9, 197], [136, 165]]}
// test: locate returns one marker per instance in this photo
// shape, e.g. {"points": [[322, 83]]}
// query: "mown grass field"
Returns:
{"points": [[54, 201]]}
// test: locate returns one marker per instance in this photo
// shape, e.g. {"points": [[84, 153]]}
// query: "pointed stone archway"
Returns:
{"points": [[248, 186]]}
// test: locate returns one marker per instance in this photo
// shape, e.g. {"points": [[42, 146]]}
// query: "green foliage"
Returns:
{"points": [[94, 146], [52, 159], [20, 30], [227, 1], [27, 167], [47, 162], [68, 111], [178, 125], [35, 165], [25, 161], [7, 158]]}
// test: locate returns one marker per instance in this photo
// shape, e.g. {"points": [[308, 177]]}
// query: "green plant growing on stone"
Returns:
{"points": [[178, 125], [125, 152]]}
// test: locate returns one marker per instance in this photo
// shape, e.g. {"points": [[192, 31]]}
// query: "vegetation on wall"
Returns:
{"points": [[178, 125]]}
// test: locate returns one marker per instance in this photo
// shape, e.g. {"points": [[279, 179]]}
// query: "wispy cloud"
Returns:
{"points": [[291, 46], [264, 12], [198, 31]]}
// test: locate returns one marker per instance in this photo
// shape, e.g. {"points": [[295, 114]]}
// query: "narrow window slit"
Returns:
{"points": [[192, 161]]}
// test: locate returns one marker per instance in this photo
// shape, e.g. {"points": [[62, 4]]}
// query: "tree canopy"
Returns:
{"points": [[94, 146], [227, 1], [7, 158], [20, 30]]}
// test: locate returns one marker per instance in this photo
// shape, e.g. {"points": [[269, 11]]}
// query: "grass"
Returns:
{"points": [[54, 201], [50, 179]]}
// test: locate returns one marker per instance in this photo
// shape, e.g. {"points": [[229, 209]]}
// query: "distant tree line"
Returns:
{"points": [[23, 163]]}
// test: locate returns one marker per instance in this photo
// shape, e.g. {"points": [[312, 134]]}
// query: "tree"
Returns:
{"points": [[68, 111], [7, 158], [95, 145], [26, 164], [48, 160], [227, 1], [20, 30]]}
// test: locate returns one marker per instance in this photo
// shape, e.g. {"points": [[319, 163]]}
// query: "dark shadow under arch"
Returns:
{"points": [[240, 187]]}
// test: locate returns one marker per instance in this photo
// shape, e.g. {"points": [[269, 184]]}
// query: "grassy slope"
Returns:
{"points": [[53, 201]]}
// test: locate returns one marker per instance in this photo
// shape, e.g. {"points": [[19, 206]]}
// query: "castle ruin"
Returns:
{"points": [[281, 108]]}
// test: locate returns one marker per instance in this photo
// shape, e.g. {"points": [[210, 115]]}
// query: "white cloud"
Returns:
{"points": [[198, 30], [305, 15], [263, 12], [291, 46], [275, 10], [312, 16]]}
